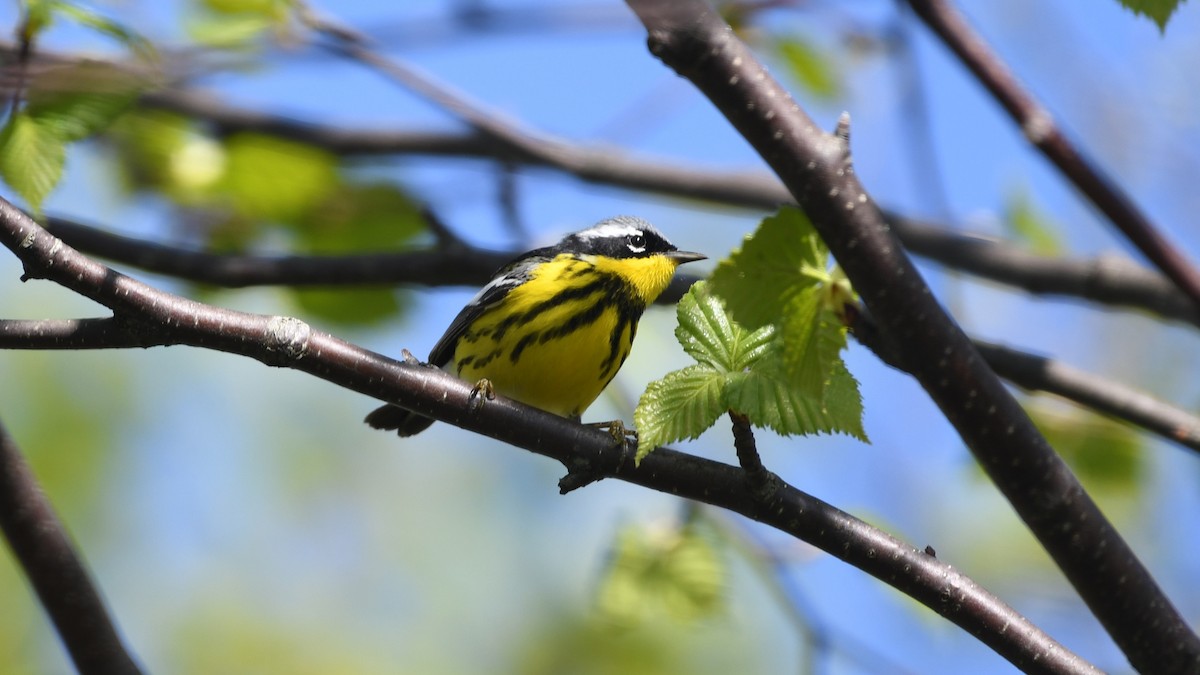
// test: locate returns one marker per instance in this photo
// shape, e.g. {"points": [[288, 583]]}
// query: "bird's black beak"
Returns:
{"points": [[681, 257]]}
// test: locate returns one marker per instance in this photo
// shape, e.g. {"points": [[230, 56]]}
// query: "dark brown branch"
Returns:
{"points": [[56, 571], [286, 342], [1115, 281], [445, 265], [1038, 373], [594, 164], [690, 38], [1041, 130], [44, 334], [1111, 281], [1028, 371]]}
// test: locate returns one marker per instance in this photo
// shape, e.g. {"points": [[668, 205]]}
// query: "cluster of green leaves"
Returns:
{"points": [[675, 572], [253, 188], [63, 106], [767, 336]]}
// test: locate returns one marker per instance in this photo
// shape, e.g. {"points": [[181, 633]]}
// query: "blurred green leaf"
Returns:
{"points": [[1030, 224], [350, 306], [228, 31], [1106, 455], [76, 115], [270, 178], [39, 15], [66, 106], [356, 218], [235, 24], [1158, 10], [268, 8], [811, 68], [104, 25], [32, 157], [676, 573], [162, 151]]}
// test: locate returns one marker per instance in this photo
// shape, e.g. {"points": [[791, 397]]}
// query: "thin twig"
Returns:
{"points": [[453, 262], [56, 570], [693, 40], [287, 342], [747, 450], [1044, 133]]}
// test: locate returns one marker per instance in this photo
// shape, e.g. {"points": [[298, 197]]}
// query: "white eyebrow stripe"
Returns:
{"points": [[611, 229]]}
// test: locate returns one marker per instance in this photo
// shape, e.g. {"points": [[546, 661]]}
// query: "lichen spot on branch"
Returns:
{"points": [[288, 336]]}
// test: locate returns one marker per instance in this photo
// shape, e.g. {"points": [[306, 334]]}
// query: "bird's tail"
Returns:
{"points": [[394, 418]]}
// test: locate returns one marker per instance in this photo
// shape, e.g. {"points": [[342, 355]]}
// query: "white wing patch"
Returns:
{"points": [[499, 282]]}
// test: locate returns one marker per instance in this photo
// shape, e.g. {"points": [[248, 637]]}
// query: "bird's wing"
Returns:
{"points": [[506, 278]]}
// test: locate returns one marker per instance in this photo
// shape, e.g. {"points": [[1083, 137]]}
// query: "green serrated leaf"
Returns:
{"points": [[349, 307], [1158, 10], [653, 572], [765, 396], [32, 157], [812, 338], [705, 331], [682, 405], [782, 259], [711, 336], [809, 66], [273, 179]]}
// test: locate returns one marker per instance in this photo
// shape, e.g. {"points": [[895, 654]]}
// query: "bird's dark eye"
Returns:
{"points": [[637, 241]]}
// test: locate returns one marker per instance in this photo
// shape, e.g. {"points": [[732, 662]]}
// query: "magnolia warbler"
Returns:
{"points": [[553, 326]]}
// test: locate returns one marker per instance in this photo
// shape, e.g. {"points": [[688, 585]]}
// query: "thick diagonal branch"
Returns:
{"points": [[55, 570], [689, 37]]}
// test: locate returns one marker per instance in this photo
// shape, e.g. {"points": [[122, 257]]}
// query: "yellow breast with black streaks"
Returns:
{"points": [[556, 340]]}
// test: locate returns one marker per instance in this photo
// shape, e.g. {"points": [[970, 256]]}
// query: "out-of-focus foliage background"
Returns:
{"points": [[242, 519]]}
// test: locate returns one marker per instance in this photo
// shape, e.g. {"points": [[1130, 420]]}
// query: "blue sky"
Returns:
{"points": [[234, 485]]}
